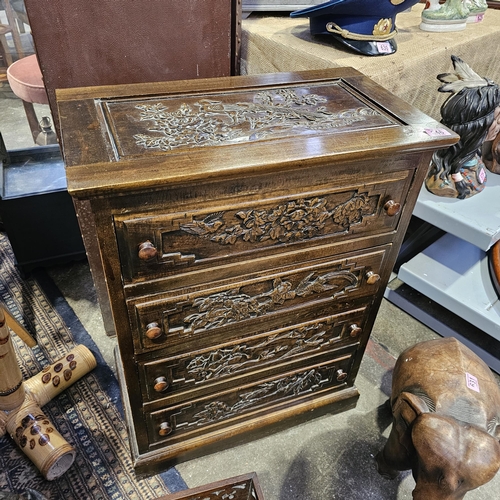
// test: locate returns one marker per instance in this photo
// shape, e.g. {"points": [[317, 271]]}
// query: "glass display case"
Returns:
{"points": [[36, 210]]}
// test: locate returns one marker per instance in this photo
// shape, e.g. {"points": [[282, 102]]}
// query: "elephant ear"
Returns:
{"points": [[494, 428], [407, 408]]}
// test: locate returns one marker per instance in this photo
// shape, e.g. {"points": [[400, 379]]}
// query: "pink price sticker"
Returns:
{"points": [[384, 47], [472, 382], [437, 132], [481, 176]]}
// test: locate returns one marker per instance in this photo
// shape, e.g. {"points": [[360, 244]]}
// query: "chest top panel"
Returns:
{"points": [[145, 135], [141, 126]]}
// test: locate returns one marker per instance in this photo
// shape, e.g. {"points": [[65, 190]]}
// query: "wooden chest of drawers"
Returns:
{"points": [[241, 232]]}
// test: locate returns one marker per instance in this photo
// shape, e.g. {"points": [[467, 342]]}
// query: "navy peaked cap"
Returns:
{"points": [[357, 23]]}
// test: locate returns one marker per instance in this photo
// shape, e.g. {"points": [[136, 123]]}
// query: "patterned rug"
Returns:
{"points": [[87, 414]]}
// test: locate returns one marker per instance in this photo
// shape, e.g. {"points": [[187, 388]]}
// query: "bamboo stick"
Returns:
{"points": [[28, 426]]}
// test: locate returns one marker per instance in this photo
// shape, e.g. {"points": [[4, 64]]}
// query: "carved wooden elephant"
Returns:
{"points": [[446, 420]]}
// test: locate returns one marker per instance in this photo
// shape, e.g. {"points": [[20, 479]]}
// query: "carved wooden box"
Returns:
{"points": [[241, 232], [244, 487]]}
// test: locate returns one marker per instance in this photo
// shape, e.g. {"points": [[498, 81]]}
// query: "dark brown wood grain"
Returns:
{"points": [[133, 41], [244, 487], [494, 266], [244, 230]]}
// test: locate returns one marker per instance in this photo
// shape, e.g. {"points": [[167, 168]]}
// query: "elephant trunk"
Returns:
{"points": [[434, 492]]}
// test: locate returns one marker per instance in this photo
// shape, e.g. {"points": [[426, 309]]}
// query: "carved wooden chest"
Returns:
{"points": [[241, 232], [244, 487]]}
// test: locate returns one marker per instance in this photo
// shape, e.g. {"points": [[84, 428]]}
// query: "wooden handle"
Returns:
{"points": [[165, 429], [153, 331], [160, 384], [147, 251], [355, 330], [392, 208], [372, 278]]}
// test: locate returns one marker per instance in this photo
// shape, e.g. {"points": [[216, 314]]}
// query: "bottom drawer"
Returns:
{"points": [[190, 420]]}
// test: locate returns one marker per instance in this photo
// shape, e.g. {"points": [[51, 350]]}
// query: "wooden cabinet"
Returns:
{"points": [[133, 41], [241, 232]]}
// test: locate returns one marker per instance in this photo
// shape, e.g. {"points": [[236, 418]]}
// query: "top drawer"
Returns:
{"points": [[153, 246]]}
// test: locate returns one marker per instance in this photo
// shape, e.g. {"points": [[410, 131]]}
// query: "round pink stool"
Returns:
{"points": [[25, 80]]}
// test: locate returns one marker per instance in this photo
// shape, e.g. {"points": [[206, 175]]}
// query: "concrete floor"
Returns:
{"points": [[329, 458]]}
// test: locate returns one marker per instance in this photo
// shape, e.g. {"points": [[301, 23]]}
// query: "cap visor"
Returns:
{"points": [[369, 48]]}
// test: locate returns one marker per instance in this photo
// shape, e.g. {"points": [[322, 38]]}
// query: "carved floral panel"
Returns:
{"points": [[234, 305], [167, 123], [285, 345], [206, 412], [291, 221]]}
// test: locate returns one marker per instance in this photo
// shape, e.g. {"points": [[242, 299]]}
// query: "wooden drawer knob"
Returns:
{"points": [[147, 251], [165, 429], [392, 208], [372, 278], [153, 331], [160, 384], [341, 375], [355, 330]]}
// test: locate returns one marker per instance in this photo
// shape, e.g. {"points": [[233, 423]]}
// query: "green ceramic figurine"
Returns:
{"points": [[453, 15]]}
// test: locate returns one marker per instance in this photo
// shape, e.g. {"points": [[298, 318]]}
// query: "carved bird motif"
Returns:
{"points": [[323, 282], [209, 225]]}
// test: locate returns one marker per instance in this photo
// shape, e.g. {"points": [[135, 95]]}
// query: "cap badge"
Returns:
{"points": [[381, 31]]}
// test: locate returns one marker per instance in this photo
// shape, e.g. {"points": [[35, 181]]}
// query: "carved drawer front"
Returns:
{"points": [[199, 319], [291, 347], [155, 246], [218, 411]]}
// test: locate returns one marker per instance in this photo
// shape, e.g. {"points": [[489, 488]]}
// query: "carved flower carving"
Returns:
{"points": [[208, 122], [214, 411], [231, 306], [352, 211]]}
